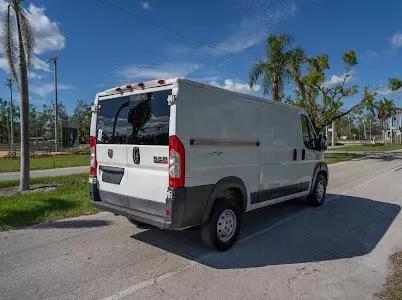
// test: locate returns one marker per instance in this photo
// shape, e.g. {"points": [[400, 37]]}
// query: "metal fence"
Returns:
{"points": [[41, 147]]}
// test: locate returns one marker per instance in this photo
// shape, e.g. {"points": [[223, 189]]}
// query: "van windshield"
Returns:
{"points": [[141, 119]]}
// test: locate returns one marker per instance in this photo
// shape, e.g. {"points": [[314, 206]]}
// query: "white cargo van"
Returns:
{"points": [[177, 153]]}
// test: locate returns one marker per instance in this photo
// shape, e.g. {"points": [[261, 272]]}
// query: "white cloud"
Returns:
{"points": [[370, 53], [37, 64], [167, 70], [337, 79], [40, 65], [43, 90], [46, 33], [262, 17], [145, 5], [396, 39], [4, 64], [36, 76], [387, 92], [236, 86]]}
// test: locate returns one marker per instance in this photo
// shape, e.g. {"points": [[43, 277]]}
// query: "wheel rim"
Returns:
{"points": [[226, 226], [320, 191]]}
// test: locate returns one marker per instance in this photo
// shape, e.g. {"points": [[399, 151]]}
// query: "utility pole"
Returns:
{"points": [[364, 129], [9, 83], [8, 125], [53, 60]]}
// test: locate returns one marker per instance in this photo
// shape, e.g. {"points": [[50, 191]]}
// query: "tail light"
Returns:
{"points": [[92, 156], [176, 162]]}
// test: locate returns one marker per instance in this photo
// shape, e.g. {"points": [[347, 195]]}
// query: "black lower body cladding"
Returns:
{"points": [[188, 205], [185, 207]]}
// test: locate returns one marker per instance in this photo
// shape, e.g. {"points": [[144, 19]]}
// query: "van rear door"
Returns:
{"points": [[111, 152], [148, 151]]}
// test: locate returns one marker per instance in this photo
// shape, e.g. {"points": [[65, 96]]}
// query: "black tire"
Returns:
{"points": [[209, 231], [317, 195], [137, 223]]}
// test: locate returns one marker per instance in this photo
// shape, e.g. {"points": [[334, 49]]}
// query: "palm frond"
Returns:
{"points": [[255, 73], [27, 37], [9, 46]]}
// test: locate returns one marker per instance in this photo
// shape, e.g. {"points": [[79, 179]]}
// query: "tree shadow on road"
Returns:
{"points": [[289, 233], [381, 157]]}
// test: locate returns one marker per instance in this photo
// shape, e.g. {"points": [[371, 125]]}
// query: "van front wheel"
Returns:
{"points": [[221, 230], [317, 195]]}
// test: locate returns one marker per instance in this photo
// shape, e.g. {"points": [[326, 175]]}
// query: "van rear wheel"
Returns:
{"points": [[317, 195], [221, 230]]}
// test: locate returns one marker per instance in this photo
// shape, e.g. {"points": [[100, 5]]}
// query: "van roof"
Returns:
{"points": [[171, 81]]}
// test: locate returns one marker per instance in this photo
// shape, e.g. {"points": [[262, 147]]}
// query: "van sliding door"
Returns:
{"points": [[279, 155]]}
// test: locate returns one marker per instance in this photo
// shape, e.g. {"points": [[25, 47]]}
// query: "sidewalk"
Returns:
{"points": [[6, 176], [361, 152]]}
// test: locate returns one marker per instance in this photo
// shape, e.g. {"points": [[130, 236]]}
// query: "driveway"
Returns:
{"points": [[287, 251]]}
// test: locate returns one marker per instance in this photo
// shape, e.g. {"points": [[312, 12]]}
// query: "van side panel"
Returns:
{"points": [[216, 116], [279, 143]]}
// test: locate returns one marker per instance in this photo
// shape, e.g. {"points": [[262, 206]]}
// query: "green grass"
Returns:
{"points": [[45, 162], [332, 158], [70, 199], [393, 286], [376, 148]]}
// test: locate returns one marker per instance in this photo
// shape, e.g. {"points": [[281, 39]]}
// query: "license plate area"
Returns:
{"points": [[112, 175]]}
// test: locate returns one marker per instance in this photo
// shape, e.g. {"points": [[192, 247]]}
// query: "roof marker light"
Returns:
{"points": [[119, 90], [129, 87], [161, 81], [141, 85]]}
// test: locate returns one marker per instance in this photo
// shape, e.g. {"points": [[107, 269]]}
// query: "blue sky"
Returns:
{"points": [[216, 42]]}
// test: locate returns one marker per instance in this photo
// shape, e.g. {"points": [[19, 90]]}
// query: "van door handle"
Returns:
{"points": [[294, 154], [136, 155], [303, 154]]}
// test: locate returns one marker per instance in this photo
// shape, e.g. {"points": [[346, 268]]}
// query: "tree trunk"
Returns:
{"points": [[24, 111]]}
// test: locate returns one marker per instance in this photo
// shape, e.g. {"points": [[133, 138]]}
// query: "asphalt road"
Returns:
{"points": [[337, 251], [5, 176]]}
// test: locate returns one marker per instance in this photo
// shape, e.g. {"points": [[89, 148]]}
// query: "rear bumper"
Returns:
{"points": [[146, 218], [186, 206]]}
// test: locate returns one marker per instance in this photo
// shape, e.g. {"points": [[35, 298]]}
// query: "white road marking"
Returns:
{"points": [[147, 283], [144, 284]]}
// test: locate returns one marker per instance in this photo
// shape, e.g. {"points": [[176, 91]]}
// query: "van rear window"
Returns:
{"points": [[141, 119]]}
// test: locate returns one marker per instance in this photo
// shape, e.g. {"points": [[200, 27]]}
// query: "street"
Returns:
{"points": [[337, 251]]}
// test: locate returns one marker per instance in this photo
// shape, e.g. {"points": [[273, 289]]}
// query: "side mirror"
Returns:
{"points": [[323, 142], [320, 143]]}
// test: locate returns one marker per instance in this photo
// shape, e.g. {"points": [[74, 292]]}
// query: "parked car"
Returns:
{"points": [[177, 154]]}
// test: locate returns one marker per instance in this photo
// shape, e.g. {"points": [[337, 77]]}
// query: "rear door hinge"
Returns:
{"points": [[171, 99]]}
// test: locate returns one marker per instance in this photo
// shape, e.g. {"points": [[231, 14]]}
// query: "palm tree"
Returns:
{"points": [[386, 109], [282, 63], [18, 47]]}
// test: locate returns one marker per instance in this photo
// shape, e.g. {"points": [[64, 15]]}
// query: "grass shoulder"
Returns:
{"points": [[45, 162], [69, 199], [393, 286], [331, 158], [369, 147]]}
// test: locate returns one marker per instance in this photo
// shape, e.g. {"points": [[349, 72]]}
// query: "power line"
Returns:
{"points": [[163, 27]]}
